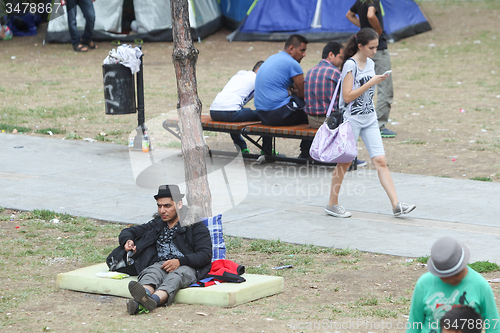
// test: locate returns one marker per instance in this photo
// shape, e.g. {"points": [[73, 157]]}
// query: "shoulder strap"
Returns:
{"points": [[330, 108]]}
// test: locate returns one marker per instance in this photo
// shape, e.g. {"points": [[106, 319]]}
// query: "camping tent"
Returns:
{"points": [[323, 20], [234, 11], [152, 19]]}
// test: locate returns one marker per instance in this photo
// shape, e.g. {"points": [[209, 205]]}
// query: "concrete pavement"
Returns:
{"points": [[268, 201]]}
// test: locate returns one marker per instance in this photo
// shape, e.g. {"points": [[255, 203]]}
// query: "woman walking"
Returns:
{"points": [[356, 101]]}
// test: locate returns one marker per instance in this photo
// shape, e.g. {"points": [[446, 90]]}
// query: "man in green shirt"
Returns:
{"points": [[449, 284]]}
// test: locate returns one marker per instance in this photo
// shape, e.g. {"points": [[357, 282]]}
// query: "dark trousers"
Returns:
{"points": [[88, 12], [287, 115], [245, 114]]}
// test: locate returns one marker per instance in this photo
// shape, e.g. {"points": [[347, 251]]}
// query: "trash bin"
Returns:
{"points": [[119, 89]]}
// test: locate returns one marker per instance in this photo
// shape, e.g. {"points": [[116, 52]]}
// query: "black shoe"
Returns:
{"points": [[139, 294], [361, 163], [132, 307], [304, 155]]}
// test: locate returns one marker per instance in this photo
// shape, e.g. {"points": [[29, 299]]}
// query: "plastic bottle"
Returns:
{"points": [[145, 142]]}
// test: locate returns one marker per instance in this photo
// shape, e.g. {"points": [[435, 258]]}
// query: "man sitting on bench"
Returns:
{"points": [[229, 104], [279, 87]]}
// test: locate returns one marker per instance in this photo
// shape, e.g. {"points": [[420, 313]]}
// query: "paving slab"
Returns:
{"points": [[267, 201]]}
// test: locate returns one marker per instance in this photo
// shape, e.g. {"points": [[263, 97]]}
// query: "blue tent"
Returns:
{"points": [[323, 20], [234, 12]]}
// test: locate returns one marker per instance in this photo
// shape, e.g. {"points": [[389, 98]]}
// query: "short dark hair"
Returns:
{"points": [[462, 318], [333, 47], [257, 65], [295, 40]]}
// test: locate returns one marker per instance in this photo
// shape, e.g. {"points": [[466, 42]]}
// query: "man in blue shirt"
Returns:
{"points": [[279, 87]]}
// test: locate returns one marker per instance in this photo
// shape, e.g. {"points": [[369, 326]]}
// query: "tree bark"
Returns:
{"points": [[193, 145]]}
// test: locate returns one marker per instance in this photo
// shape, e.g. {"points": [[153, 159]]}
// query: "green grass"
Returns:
{"points": [[413, 142], [277, 246], [208, 133], [258, 270], [450, 140], [233, 244], [484, 266], [9, 128], [73, 136], [482, 179], [51, 129], [50, 83], [423, 260], [100, 137], [384, 313], [369, 301]]}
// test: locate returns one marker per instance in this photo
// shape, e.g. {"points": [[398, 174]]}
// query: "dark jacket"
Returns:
{"points": [[193, 241]]}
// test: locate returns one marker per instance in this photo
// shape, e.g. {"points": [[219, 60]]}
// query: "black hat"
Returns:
{"points": [[169, 191]]}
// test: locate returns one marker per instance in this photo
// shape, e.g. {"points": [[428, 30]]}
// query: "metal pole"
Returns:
{"points": [[140, 97], [141, 119]]}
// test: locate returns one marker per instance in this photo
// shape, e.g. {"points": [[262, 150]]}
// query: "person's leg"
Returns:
{"points": [[373, 142], [339, 172], [229, 116], [385, 91], [88, 12], [221, 115], [181, 278], [337, 178], [73, 31], [316, 121], [270, 118], [146, 286], [245, 114], [385, 177], [291, 114]]}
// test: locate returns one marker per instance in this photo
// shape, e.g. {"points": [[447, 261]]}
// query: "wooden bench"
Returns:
{"points": [[256, 128], [215, 126]]}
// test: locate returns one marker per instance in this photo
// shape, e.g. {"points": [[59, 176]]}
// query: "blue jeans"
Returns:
{"points": [[88, 12], [287, 115], [245, 114]]}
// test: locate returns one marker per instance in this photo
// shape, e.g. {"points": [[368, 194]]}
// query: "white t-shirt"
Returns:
{"points": [[236, 93], [362, 107]]}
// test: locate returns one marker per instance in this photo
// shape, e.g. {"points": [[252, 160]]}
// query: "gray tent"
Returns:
{"points": [[153, 21]]}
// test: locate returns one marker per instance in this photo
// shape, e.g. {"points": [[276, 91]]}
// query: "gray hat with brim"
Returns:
{"points": [[448, 257]]}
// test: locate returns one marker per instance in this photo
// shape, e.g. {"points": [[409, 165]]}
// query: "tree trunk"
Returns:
{"points": [[193, 145]]}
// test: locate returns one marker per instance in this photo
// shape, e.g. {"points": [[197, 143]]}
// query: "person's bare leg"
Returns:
{"points": [[337, 178], [163, 295], [385, 178], [149, 288]]}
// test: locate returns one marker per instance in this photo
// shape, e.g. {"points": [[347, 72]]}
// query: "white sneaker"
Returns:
{"points": [[337, 211], [403, 208]]}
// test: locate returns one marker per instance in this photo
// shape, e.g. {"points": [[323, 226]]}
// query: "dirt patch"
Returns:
{"points": [[435, 74]]}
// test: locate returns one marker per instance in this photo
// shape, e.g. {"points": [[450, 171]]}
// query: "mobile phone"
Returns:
{"points": [[388, 72]]}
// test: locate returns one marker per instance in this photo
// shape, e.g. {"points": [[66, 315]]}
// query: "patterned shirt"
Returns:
{"points": [[166, 247], [319, 85]]}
